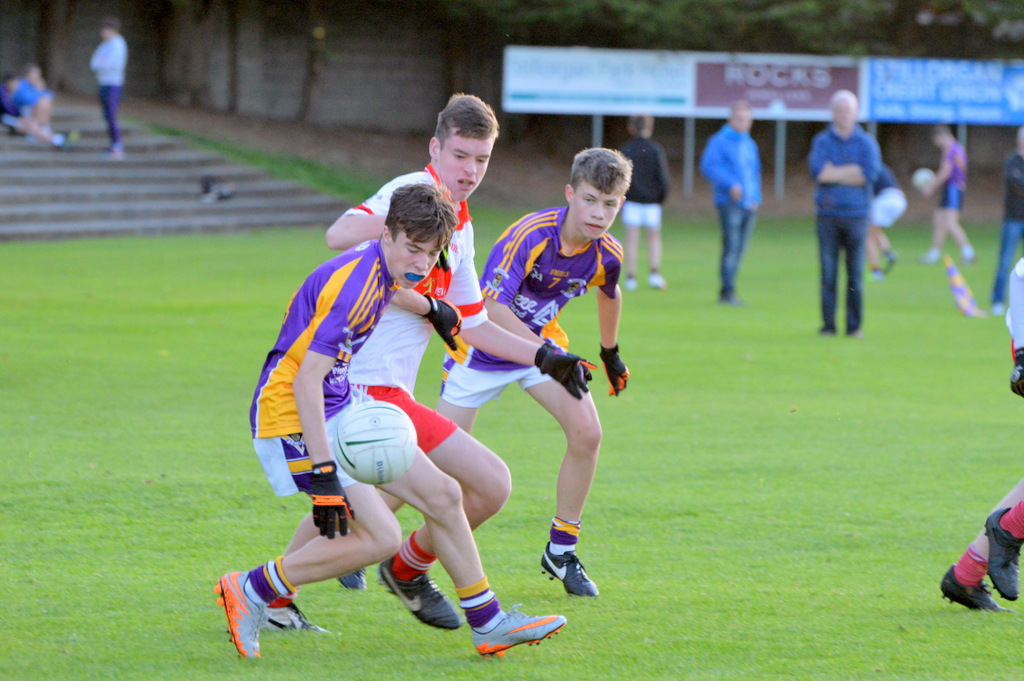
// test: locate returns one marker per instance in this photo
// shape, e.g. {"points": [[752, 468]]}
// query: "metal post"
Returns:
{"points": [[780, 159], [689, 145], [597, 134], [873, 129], [961, 134]]}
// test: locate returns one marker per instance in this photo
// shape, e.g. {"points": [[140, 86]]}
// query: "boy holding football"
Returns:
{"points": [[302, 391], [448, 297], [537, 266]]}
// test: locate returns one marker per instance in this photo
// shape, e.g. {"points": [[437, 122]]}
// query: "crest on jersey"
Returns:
{"points": [[576, 287], [499, 276]]}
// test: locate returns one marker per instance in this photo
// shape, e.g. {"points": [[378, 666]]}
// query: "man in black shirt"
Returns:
{"points": [[643, 200], [1013, 222]]}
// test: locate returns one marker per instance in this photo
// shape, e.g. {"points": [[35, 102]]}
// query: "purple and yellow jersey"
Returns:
{"points": [[527, 271], [957, 157], [333, 313]]}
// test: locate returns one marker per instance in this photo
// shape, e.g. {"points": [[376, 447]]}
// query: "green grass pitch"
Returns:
{"points": [[769, 504]]}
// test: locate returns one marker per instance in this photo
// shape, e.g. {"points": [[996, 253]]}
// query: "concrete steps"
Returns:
{"points": [[154, 189]]}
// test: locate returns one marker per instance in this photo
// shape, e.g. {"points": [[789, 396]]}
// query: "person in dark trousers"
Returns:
{"points": [[732, 164], [844, 161], [650, 186], [1013, 222]]}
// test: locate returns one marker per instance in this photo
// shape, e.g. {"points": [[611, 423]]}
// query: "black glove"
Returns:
{"points": [[330, 505], [1017, 375], [447, 320], [617, 372], [571, 371]]}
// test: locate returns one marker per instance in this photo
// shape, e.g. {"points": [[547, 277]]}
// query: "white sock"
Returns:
{"points": [[58, 139]]}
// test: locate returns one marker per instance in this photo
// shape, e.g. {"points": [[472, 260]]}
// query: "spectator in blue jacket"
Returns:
{"points": [[844, 162], [731, 162]]}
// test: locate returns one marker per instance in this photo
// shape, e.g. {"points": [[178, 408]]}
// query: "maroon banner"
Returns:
{"points": [[776, 86]]}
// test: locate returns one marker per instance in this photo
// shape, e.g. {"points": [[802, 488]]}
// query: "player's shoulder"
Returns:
{"points": [[610, 246], [535, 226], [417, 177]]}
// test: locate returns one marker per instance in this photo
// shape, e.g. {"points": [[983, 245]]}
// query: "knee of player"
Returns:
{"points": [[386, 542], [585, 436], [487, 497]]}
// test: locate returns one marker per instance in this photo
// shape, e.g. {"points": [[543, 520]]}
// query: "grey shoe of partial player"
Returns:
{"points": [[290, 617], [1003, 557], [514, 629], [568, 568], [973, 597], [245, 617], [354, 581], [422, 597]]}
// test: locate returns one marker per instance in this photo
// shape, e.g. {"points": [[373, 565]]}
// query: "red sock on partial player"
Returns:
{"points": [[1013, 521], [971, 568], [411, 560]]}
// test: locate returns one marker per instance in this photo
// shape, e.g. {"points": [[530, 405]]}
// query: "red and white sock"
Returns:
{"points": [[411, 560]]}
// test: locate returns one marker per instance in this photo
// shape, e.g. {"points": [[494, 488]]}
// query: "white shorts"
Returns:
{"points": [[641, 215], [472, 388], [288, 466], [887, 207]]}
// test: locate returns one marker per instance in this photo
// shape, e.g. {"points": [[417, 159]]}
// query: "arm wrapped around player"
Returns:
{"points": [[1017, 375], [447, 320], [330, 505], [617, 372], [571, 371]]}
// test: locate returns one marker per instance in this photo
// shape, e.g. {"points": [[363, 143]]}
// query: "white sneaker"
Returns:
{"points": [[656, 281], [929, 258], [998, 309], [630, 284]]}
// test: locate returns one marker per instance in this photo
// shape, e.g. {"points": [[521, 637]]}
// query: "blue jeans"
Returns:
{"points": [[1012, 233], [110, 97], [737, 224], [848, 235]]}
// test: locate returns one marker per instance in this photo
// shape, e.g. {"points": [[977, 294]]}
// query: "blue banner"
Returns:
{"points": [[945, 91]]}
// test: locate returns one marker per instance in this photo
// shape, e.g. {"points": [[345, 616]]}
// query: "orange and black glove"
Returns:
{"points": [[617, 372], [447, 320], [330, 505], [571, 371]]}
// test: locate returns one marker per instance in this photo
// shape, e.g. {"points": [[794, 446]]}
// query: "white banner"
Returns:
{"points": [[582, 80]]}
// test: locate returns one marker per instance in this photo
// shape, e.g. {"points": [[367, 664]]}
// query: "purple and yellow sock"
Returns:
{"points": [[564, 536], [267, 583], [481, 605]]}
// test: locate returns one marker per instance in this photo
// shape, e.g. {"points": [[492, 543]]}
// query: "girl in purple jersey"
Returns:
{"points": [[950, 182]]}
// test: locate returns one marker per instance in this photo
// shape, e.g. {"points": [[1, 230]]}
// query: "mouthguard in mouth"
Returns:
{"points": [[415, 277]]}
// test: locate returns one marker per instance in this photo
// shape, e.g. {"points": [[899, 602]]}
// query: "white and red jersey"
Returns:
{"points": [[392, 355]]}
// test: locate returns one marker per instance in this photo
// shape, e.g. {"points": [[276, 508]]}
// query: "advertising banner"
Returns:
{"points": [[946, 91], [779, 87], [581, 80]]}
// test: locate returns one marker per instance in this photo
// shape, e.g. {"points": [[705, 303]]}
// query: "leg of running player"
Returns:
{"points": [[582, 428], [439, 498]]}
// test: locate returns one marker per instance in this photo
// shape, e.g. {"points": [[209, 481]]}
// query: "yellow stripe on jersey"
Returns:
{"points": [[300, 465], [518, 232], [361, 315]]}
